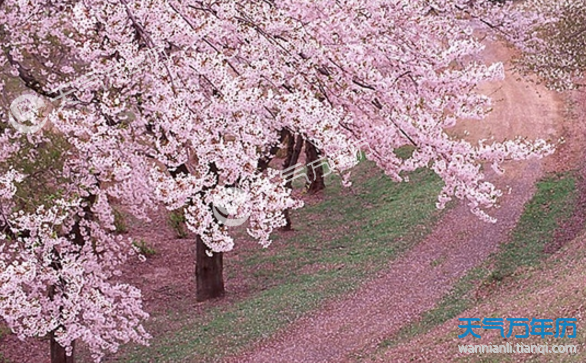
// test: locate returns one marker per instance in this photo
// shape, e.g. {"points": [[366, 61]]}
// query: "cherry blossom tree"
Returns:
{"points": [[59, 256], [556, 48], [179, 102]]}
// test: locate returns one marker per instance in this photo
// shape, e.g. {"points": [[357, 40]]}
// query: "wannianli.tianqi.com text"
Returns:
{"points": [[518, 348]]}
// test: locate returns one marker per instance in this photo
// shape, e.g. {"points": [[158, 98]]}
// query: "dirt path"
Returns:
{"points": [[417, 280]]}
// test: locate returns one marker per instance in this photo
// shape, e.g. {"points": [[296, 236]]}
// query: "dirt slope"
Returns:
{"points": [[556, 291]]}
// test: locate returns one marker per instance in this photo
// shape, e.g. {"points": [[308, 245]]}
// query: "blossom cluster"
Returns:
{"points": [[228, 79]]}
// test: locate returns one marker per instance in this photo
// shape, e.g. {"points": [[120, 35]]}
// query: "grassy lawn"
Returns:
{"points": [[552, 204], [338, 244]]}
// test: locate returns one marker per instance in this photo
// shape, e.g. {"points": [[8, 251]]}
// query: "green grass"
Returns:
{"points": [[337, 245], [144, 248], [4, 331], [120, 221], [176, 220], [553, 202]]}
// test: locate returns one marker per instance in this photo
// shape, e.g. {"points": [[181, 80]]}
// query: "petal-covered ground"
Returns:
{"points": [[415, 282]]}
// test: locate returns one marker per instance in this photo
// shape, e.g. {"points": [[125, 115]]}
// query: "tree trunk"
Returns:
{"points": [[264, 162], [209, 275], [209, 271], [58, 353], [315, 171], [294, 146]]}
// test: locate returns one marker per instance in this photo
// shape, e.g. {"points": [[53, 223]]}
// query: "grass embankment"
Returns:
{"points": [[338, 244], [519, 266]]}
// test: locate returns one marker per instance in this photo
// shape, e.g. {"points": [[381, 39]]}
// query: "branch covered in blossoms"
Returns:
{"points": [[211, 87]]}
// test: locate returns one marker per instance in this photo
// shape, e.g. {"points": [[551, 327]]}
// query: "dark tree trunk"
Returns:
{"points": [[264, 162], [58, 353], [287, 226], [315, 170], [294, 146], [209, 275], [209, 271]]}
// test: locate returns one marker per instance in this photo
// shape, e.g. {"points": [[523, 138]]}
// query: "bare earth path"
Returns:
{"points": [[416, 281]]}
